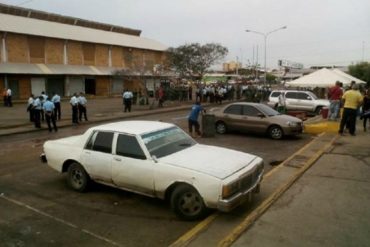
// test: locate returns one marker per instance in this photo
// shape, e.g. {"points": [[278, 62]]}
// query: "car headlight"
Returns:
{"points": [[292, 124], [230, 189]]}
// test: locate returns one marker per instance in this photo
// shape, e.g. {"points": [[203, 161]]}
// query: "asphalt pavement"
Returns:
{"points": [[317, 197]]}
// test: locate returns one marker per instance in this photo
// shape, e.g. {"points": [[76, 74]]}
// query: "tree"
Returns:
{"points": [[361, 71], [194, 59]]}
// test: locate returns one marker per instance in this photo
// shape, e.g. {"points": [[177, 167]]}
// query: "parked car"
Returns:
{"points": [[157, 159], [298, 100], [255, 117]]}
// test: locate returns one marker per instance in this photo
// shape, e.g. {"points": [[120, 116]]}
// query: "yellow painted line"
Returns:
{"points": [[190, 235], [251, 218]]}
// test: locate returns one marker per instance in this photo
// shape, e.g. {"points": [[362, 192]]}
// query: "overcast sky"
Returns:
{"points": [[319, 32]]}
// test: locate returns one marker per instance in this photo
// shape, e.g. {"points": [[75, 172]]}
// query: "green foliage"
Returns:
{"points": [[194, 59], [270, 78], [361, 71]]}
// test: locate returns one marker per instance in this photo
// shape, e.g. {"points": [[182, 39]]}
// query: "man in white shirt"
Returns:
{"points": [[57, 110], [127, 98], [9, 97], [74, 104], [30, 107], [82, 101]]}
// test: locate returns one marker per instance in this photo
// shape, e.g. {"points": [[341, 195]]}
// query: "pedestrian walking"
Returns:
{"points": [[5, 96], [160, 96], [57, 109], [48, 108], [281, 103], [30, 107], [352, 100], [366, 109], [74, 103], [9, 97], [127, 100], [335, 94], [82, 101], [193, 118], [37, 111], [44, 98]]}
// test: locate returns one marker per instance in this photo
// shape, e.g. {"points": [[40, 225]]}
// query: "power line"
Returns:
{"points": [[25, 2]]}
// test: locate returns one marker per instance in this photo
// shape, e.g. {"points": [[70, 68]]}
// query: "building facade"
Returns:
{"points": [[41, 51]]}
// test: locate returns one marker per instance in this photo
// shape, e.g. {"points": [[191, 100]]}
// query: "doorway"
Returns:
{"points": [[90, 86]]}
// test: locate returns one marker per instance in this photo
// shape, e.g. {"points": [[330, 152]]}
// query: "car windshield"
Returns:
{"points": [[268, 110], [167, 141]]}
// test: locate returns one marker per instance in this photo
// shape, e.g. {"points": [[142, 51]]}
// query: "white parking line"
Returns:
{"points": [[58, 219], [179, 118]]}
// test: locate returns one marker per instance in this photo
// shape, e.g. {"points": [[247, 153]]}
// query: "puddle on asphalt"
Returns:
{"points": [[275, 162]]}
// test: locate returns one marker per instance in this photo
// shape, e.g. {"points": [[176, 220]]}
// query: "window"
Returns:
{"points": [[303, 96], [129, 147], [234, 109], [275, 94], [291, 95], [101, 142], [250, 111]]}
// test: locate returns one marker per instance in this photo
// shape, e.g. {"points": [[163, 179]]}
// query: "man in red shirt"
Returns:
{"points": [[335, 94]]}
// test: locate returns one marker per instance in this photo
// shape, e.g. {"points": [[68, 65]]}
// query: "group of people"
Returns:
{"points": [[353, 102], [78, 104], [43, 108], [7, 97]]}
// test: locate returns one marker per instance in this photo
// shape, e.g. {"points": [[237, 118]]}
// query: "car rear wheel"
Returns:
{"points": [[77, 177], [221, 128], [276, 132], [186, 203]]}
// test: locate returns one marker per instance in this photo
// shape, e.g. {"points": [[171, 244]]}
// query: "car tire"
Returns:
{"points": [[77, 177], [187, 204], [318, 110], [221, 128], [276, 132]]}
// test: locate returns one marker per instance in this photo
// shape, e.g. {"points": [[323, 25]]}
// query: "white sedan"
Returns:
{"points": [[158, 160]]}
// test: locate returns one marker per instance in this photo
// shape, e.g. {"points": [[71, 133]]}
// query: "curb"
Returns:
{"points": [[261, 209]]}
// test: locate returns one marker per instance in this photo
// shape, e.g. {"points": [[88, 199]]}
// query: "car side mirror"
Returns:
{"points": [[309, 98], [260, 115]]}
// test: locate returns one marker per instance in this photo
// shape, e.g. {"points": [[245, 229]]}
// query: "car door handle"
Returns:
{"points": [[117, 159]]}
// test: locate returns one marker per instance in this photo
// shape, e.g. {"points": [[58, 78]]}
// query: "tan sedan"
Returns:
{"points": [[257, 118]]}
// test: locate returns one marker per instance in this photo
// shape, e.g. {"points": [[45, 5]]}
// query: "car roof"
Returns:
{"points": [[244, 103], [134, 127]]}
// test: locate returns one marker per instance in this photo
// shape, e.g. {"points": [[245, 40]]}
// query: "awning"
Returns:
{"points": [[59, 69]]}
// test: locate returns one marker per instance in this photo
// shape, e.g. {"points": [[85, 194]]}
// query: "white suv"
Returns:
{"points": [[298, 100]]}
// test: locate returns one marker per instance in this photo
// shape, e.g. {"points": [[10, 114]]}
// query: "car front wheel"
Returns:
{"points": [[221, 128], [275, 132], [77, 177], [187, 204]]}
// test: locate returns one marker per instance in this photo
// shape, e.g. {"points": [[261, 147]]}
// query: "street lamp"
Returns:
{"points": [[265, 35]]}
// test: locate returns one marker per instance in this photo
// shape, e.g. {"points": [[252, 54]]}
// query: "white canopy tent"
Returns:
{"points": [[324, 78]]}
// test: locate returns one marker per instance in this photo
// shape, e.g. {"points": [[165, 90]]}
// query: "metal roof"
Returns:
{"points": [[30, 26]]}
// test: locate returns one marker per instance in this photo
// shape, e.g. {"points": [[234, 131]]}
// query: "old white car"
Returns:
{"points": [[157, 159]]}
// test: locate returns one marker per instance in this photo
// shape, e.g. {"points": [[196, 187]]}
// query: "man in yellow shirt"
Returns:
{"points": [[352, 100]]}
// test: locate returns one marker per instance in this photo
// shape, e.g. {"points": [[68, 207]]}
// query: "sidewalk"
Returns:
{"points": [[16, 119], [326, 206]]}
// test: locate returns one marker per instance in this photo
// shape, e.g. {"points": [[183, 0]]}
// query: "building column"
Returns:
{"points": [[3, 49]]}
